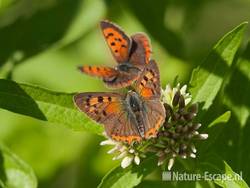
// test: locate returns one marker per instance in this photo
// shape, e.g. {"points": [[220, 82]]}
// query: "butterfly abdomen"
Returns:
{"points": [[140, 123]]}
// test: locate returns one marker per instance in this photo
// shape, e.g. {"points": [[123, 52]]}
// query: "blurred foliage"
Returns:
{"points": [[14, 172], [42, 42]]}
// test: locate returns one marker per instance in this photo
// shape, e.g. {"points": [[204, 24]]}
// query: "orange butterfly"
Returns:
{"points": [[128, 117], [131, 53]]}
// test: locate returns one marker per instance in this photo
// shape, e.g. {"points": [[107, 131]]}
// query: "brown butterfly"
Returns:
{"points": [[128, 117], [131, 53]]}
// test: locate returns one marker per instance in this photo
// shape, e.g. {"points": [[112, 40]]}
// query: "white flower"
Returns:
{"points": [[113, 150], [137, 160], [170, 163], [122, 155], [169, 93], [107, 142], [193, 148], [126, 161], [128, 154], [192, 155], [203, 136]]}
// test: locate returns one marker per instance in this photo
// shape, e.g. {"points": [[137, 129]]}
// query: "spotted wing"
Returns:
{"points": [[148, 85], [113, 78], [106, 73], [109, 109], [118, 42]]}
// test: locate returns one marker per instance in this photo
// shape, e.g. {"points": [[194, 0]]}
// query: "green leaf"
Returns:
{"points": [[45, 105], [231, 183], [207, 79], [215, 166], [14, 172], [237, 95], [221, 119], [128, 177]]}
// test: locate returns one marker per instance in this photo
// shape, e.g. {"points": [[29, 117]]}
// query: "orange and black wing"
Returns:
{"points": [[106, 73], [148, 87], [109, 110], [113, 78], [118, 42], [148, 84]]}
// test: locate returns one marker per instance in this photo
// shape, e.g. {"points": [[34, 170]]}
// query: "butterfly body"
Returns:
{"points": [[136, 107], [131, 53]]}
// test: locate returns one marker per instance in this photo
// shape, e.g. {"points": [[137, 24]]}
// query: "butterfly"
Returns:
{"points": [[129, 117], [131, 53]]}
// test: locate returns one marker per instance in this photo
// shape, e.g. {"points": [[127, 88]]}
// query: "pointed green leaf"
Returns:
{"points": [[221, 173], [236, 181], [221, 119], [207, 79], [44, 105]]}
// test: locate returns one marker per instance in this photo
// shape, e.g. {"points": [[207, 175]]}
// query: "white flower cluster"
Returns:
{"points": [[128, 155], [169, 93]]}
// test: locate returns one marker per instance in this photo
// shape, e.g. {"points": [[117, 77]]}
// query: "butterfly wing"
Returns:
{"points": [[140, 51], [109, 109], [132, 53], [123, 79], [148, 87], [106, 73], [130, 71], [113, 78], [155, 117], [118, 42]]}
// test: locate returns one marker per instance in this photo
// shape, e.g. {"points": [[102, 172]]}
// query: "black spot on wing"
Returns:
{"points": [[118, 39], [110, 99], [104, 113], [152, 72], [145, 78], [109, 35], [100, 99]]}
